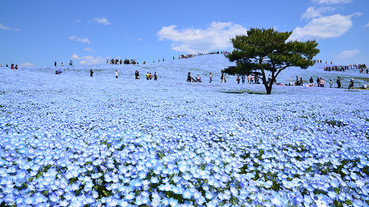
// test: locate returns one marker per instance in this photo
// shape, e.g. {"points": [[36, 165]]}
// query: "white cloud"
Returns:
{"points": [[324, 27], [191, 40], [101, 20], [313, 12], [348, 54], [88, 60], [367, 25], [332, 1], [26, 65], [78, 39], [3, 27], [88, 49]]}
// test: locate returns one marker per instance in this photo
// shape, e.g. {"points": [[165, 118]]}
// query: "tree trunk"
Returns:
{"points": [[269, 89]]}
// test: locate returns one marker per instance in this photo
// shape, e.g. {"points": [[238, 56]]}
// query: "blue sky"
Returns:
{"points": [[37, 33]]}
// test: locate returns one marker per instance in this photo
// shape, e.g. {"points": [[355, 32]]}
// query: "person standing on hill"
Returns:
{"points": [[338, 82], [147, 76], [210, 77], [189, 77], [91, 73], [225, 78], [318, 81], [155, 77], [238, 79], [116, 73], [351, 84]]}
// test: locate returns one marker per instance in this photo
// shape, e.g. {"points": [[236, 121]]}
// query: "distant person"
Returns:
{"points": [[55, 63], [198, 78], [238, 79], [137, 74], [91, 73], [155, 77], [318, 81], [189, 77], [297, 83], [330, 83], [147, 76], [116, 73], [62, 64], [150, 77], [16, 67], [243, 77], [351, 84], [12, 66], [71, 62], [222, 78], [210, 78], [311, 80], [338, 82]]}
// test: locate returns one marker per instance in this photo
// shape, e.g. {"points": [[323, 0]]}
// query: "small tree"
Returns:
{"points": [[268, 50]]}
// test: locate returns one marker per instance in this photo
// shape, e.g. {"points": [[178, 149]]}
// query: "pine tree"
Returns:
{"points": [[269, 50]]}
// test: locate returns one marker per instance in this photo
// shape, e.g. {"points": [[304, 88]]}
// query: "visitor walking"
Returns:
{"points": [[338, 82], [116, 73], [210, 77], [91, 73], [238, 79], [351, 84], [189, 77]]}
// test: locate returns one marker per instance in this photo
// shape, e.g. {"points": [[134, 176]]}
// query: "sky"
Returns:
{"points": [[39, 32]]}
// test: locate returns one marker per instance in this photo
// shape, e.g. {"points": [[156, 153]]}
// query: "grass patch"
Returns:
{"points": [[245, 91], [364, 79]]}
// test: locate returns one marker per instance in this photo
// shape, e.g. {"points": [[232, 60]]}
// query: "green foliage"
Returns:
{"points": [[269, 50]]}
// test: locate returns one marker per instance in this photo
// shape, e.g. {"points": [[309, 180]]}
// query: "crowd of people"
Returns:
{"points": [[12, 66], [149, 76], [134, 62], [254, 79], [121, 61], [62, 63]]}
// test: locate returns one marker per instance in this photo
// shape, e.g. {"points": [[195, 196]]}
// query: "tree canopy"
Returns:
{"points": [[269, 50]]}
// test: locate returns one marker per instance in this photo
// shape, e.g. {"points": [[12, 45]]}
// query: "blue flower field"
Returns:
{"points": [[75, 140]]}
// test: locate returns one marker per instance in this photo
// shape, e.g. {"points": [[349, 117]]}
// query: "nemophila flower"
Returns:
{"points": [[187, 194], [130, 196]]}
